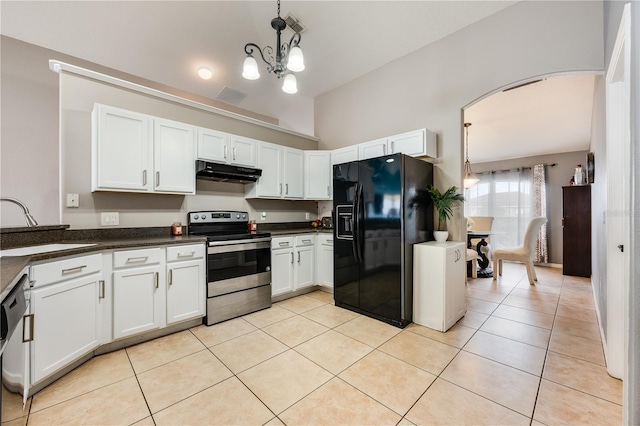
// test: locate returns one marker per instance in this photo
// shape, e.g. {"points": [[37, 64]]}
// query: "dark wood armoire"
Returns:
{"points": [[576, 230]]}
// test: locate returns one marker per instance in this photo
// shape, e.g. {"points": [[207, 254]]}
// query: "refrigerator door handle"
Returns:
{"points": [[360, 220], [354, 226]]}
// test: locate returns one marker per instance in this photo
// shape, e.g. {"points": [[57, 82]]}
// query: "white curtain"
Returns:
{"points": [[508, 196]]}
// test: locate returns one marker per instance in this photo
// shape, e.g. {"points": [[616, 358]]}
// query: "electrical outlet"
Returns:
{"points": [[110, 218], [73, 200], [306, 216]]}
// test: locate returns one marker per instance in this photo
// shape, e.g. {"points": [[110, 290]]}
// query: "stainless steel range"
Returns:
{"points": [[238, 264]]}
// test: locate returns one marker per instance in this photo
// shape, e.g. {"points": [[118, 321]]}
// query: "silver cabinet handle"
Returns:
{"points": [[157, 279], [73, 270], [170, 276], [328, 190], [298, 257], [392, 150], [101, 292], [291, 257], [141, 259], [24, 327], [190, 254], [285, 244], [286, 185], [306, 241], [225, 152], [234, 153], [157, 178], [144, 177]]}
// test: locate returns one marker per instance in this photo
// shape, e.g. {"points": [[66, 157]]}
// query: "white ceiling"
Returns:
{"points": [[548, 117], [167, 41]]}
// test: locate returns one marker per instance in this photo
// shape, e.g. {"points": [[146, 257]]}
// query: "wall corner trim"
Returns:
{"points": [[59, 67]]}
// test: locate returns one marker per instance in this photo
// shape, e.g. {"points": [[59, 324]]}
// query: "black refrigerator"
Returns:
{"points": [[375, 227]]}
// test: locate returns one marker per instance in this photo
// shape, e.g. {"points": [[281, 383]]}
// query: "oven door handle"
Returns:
{"points": [[226, 243], [230, 248]]}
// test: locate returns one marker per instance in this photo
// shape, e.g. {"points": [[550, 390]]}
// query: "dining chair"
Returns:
{"points": [[472, 256], [524, 253], [481, 223]]}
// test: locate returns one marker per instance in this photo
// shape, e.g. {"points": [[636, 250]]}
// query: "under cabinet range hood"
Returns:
{"points": [[226, 172]]}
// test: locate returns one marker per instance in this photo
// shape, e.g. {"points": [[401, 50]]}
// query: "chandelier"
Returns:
{"points": [[470, 178], [288, 57]]}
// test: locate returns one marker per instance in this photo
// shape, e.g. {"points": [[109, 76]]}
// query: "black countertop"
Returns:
{"points": [[11, 266]]}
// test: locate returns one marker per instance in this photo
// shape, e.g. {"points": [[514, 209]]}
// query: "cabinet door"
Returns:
{"points": [[66, 322], [174, 160], [324, 266], [372, 149], [281, 271], [411, 143], [454, 285], [270, 183], [185, 290], [213, 145], [344, 155], [121, 153], [293, 173], [137, 300], [317, 175], [243, 151], [305, 260]]}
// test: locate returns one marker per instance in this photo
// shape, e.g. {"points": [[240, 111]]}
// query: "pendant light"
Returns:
{"points": [[283, 60], [470, 178]]}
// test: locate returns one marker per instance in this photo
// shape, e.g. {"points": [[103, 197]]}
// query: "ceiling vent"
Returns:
{"points": [[230, 96], [294, 24]]}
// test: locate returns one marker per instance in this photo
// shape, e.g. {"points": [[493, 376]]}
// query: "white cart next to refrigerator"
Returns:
{"points": [[439, 284]]}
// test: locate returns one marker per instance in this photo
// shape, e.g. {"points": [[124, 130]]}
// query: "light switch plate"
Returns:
{"points": [[109, 218], [73, 200]]}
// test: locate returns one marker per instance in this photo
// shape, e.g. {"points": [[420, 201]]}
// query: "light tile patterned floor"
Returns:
{"points": [[522, 355]]}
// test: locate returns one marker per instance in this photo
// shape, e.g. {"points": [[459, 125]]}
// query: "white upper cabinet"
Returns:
{"points": [[243, 151], [317, 175], [133, 152], [344, 155], [173, 157], [121, 147], [293, 173], [213, 145], [223, 147], [418, 143], [282, 173], [372, 149]]}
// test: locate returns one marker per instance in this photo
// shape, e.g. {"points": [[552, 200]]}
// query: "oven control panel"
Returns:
{"points": [[217, 217]]}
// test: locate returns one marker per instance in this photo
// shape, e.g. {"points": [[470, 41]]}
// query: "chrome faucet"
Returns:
{"points": [[31, 222]]}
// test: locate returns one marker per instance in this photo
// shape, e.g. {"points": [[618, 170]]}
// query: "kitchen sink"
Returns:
{"points": [[46, 248]]}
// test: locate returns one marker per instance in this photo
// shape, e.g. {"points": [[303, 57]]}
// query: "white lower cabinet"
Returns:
{"points": [[137, 297], [185, 278], [439, 284], [66, 323], [324, 260], [292, 263]]}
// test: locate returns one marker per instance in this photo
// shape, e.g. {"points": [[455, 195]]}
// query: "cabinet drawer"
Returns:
{"points": [[131, 258], [326, 240], [193, 251], [51, 272], [305, 240], [281, 243]]}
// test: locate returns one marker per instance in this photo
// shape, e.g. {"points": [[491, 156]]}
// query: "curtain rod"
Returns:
{"points": [[515, 169]]}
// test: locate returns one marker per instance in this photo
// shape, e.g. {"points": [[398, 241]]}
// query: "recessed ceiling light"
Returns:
{"points": [[205, 73]]}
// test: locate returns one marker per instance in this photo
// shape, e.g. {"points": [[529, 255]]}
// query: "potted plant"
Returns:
{"points": [[443, 202]]}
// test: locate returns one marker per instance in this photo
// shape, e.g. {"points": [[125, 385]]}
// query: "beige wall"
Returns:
{"points": [[429, 87], [44, 155]]}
